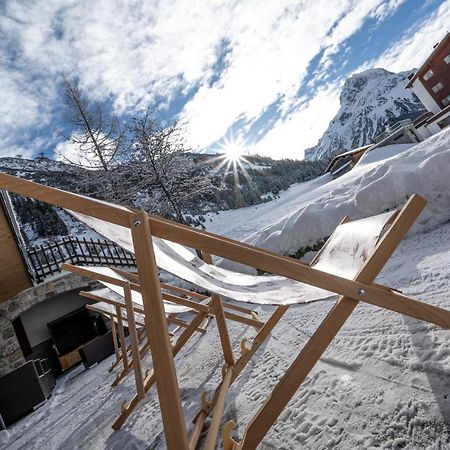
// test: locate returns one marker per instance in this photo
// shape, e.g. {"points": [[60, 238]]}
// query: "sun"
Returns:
{"points": [[233, 152], [233, 158]]}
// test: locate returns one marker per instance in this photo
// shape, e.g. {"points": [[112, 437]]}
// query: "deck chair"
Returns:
{"points": [[125, 307], [116, 281], [118, 322], [146, 231]]}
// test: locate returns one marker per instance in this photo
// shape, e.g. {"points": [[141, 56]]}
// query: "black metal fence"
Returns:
{"points": [[47, 259]]}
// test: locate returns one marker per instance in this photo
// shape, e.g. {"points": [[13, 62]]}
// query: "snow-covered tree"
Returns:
{"points": [[164, 162], [99, 143]]}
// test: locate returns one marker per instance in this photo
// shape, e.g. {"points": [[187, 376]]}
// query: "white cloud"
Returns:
{"points": [[269, 59], [66, 151], [136, 52], [290, 136]]}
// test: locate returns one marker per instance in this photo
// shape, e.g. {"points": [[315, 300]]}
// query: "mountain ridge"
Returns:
{"points": [[369, 101]]}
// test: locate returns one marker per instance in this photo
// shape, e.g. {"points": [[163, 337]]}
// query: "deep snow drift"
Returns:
{"points": [[384, 381]]}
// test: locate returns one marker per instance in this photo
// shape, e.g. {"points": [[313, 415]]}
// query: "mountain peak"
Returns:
{"points": [[369, 100]]}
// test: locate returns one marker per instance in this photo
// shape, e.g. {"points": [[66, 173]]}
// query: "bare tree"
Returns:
{"points": [[165, 164], [100, 142]]}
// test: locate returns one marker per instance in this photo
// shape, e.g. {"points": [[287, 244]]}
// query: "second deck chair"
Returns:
{"points": [[122, 291], [146, 230], [118, 321]]}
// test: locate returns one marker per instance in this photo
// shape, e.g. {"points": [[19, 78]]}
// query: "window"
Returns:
{"points": [[437, 87], [447, 59], [444, 123], [446, 100], [428, 75]]}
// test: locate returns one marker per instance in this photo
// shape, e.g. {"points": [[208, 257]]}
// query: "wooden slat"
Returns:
{"points": [[201, 240], [134, 343], [221, 322], [68, 200], [114, 336], [123, 344], [220, 405]]}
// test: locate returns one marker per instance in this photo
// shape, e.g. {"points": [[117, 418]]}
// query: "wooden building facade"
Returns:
{"points": [[14, 275]]}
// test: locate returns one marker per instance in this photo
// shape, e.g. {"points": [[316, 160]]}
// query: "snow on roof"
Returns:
{"points": [[347, 153]]}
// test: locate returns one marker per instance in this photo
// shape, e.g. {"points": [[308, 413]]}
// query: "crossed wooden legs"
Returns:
{"points": [[150, 379], [230, 375], [316, 346]]}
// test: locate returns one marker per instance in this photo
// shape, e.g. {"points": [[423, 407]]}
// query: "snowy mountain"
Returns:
{"points": [[369, 101]]}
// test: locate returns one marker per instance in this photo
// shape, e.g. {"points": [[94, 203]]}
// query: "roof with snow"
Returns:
{"points": [[347, 153]]}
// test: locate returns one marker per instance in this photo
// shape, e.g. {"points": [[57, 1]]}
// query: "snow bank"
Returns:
{"points": [[372, 187]]}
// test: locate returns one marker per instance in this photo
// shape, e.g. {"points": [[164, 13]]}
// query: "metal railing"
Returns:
{"points": [[46, 259]]}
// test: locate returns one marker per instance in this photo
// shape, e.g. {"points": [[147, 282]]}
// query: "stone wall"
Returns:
{"points": [[10, 353]]}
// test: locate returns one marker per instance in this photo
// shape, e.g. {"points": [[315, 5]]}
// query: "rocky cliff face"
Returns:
{"points": [[370, 101]]}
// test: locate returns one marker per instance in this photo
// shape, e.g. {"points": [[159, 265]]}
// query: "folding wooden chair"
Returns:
{"points": [[118, 321], [147, 229], [336, 318], [111, 302], [115, 280]]}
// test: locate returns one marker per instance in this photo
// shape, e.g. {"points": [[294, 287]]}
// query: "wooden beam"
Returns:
{"points": [[202, 307], [202, 240], [157, 332], [85, 205], [114, 336], [220, 406], [123, 343]]}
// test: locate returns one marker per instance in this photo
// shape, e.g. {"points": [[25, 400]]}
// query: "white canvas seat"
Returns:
{"points": [[115, 292], [344, 254]]}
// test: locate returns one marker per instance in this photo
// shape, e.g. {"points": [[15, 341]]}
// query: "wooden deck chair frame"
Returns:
{"points": [[136, 353], [113, 318], [143, 226], [324, 334], [203, 310], [127, 353]]}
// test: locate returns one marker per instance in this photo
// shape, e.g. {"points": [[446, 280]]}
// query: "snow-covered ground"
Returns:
{"points": [[383, 383]]}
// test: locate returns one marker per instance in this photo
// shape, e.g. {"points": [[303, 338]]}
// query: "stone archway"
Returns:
{"points": [[11, 355]]}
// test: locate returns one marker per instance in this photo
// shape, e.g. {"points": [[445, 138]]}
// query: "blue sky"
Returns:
{"points": [[264, 76]]}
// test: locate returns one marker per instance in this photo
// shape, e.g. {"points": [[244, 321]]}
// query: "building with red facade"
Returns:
{"points": [[431, 84]]}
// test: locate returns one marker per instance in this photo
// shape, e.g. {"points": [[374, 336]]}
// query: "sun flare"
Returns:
{"points": [[233, 152]]}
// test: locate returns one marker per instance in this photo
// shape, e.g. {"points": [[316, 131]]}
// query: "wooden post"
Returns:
{"points": [[221, 323], [114, 336], [220, 405], [123, 342], [246, 356], [333, 322], [134, 342], [158, 334]]}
